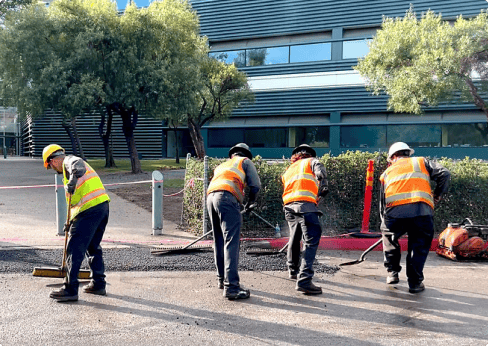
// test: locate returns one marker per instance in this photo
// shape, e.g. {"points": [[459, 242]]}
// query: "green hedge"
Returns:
{"points": [[343, 206]]}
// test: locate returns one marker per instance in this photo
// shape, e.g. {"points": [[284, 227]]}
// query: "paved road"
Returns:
{"points": [[183, 307]]}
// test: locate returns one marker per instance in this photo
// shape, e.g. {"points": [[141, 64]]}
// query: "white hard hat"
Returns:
{"points": [[399, 146]]}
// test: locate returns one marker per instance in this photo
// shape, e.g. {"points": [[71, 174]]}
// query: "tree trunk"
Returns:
{"points": [[177, 153], [478, 101], [109, 158], [129, 123], [196, 138], [77, 138], [67, 128]]}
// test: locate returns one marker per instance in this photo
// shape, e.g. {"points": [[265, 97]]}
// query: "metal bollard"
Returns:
{"points": [[61, 207], [157, 203]]}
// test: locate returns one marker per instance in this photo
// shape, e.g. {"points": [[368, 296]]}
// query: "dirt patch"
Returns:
{"points": [[141, 195]]}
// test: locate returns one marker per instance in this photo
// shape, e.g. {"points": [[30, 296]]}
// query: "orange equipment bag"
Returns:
{"points": [[463, 240]]}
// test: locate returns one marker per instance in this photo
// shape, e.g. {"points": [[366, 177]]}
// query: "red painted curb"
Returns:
{"points": [[343, 243]]}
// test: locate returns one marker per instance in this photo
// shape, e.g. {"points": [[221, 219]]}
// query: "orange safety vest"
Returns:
{"points": [[230, 176], [407, 181], [300, 183], [89, 191]]}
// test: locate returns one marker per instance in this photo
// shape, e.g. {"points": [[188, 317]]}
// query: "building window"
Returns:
{"points": [[238, 57], [363, 136], [310, 52], [316, 136], [224, 138], [354, 49], [266, 138], [415, 135], [267, 56], [465, 135]]}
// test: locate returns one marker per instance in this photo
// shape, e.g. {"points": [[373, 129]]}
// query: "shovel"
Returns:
{"points": [[61, 272], [361, 258]]}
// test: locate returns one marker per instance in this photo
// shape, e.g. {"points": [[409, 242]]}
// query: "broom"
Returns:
{"points": [[61, 272]]}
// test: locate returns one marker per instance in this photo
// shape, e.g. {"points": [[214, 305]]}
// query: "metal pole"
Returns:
{"points": [[157, 203], [4, 136], [205, 185], [61, 208]]}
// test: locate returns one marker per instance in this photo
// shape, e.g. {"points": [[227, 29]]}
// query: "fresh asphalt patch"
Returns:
{"points": [[140, 259]]}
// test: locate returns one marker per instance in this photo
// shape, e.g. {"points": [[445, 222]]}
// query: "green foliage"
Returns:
{"points": [[419, 62], [343, 206]]}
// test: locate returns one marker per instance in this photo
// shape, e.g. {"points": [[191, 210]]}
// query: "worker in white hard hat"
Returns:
{"points": [[407, 207], [225, 195], [89, 213]]}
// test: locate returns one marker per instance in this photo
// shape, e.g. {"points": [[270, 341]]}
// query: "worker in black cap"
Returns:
{"points": [[224, 199], [304, 182]]}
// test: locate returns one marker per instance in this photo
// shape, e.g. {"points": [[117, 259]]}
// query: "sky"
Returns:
{"points": [[140, 3]]}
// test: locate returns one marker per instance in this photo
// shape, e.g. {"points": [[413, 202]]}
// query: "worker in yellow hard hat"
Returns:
{"points": [[407, 207], [89, 212]]}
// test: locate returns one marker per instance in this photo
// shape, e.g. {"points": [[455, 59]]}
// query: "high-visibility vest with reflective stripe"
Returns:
{"points": [[89, 191], [230, 176], [407, 181], [300, 183]]}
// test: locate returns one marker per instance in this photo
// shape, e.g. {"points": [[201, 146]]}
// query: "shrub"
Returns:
{"points": [[343, 206]]}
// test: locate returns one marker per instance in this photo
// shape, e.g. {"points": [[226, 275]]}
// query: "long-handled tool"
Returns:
{"points": [[61, 272], [173, 249], [361, 258], [258, 252]]}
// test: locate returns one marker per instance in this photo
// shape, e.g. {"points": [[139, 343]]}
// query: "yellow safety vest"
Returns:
{"points": [[407, 181], [230, 176], [89, 191], [300, 183]]}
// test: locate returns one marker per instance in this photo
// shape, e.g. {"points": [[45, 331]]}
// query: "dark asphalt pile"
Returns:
{"points": [[140, 259]]}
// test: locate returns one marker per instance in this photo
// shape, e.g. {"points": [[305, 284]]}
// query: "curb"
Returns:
{"points": [[341, 243]]}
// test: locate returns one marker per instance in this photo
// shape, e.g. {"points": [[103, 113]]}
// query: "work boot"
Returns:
{"points": [[309, 289], [92, 288], [416, 288], [221, 284], [239, 294], [62, 295], [392, 278]]}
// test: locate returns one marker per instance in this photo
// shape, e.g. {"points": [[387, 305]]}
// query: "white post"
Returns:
{"points": [[205, 185], [61, 207], [157, 203]]}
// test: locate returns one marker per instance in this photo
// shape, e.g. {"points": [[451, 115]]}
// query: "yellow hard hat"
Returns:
{"points": [[48, 151]]}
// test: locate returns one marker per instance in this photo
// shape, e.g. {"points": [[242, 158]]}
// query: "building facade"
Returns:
{"points": [[299, 57]]}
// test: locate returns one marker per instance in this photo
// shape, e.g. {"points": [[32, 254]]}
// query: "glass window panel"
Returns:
{"points": [[354, 49], [465, 135], [223, 138], [415, 135], [363, 136], [266, 138], [310, 52], [267, 56], [314, 136], [238, 57]]}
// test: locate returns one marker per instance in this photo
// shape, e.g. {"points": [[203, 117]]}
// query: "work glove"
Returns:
{"points": [[323, 191], [70, 189], [249, 206]]}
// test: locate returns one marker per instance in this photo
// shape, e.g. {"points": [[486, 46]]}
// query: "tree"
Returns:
{"points": [[422, 62], [144, 60], [223, 88], [12, 5]]}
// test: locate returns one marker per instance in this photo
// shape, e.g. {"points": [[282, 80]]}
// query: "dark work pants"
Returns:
{"points": [[304, 227], [225, 216], [420, 230], [85, 234]]}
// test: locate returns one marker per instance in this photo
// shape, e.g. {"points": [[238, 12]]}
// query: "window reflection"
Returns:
{"points": [[415, 135], [465, 135], [266, 138], [363, 136], [314, 136], [354, 49], [267, 56], [310, 52], [238, 57], [223, 138]]}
